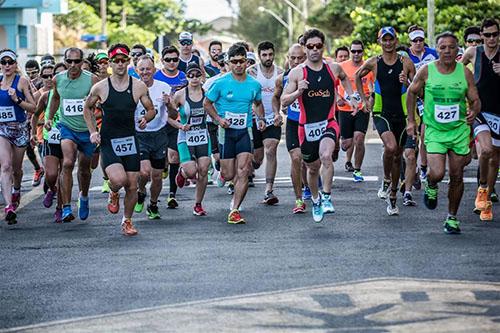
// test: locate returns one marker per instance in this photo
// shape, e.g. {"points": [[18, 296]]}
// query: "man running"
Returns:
{"points": [[448, 86], [153, 139], [137, 51], [314, 84], [295, 57], [229, 102], [266, 142], [176, 79], [186, 55], [119, 95], [71, 87], [391, 72], [486, 61], [213, 67], [354, 124]]}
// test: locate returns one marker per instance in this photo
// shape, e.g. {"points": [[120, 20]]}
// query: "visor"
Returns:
{"points": [[118, 51], [9, 54], [387, 31], [416, 34]]}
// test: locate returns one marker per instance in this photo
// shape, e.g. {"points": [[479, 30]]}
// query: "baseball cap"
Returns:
{"points": [[193, 66], [100, 56], [118, 51], [185, 36], [251, 56], [387, 30]]}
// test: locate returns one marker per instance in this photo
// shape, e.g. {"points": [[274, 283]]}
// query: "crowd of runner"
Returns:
{"points": [[197, 122]]}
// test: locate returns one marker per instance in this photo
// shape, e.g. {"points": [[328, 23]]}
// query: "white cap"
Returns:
{"points": [[185, 36], [416, 34], [251, 56]]}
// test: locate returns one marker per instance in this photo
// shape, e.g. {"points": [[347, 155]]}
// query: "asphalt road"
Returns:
{"points": [[359, 270]]}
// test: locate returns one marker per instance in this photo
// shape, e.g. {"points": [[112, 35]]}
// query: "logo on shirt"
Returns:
{"points": [[319, 93], [229, 94]]}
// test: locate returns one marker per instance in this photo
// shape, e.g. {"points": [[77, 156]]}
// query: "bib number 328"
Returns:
{"points": [[236, 120], [315, 131], [124, 146], [446, 113]]}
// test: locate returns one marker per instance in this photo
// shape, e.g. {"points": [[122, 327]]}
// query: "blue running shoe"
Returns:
{"points": [[306, 193], [83, 209], [357, 177], [67, 214], [326, 203], [317, 212]]}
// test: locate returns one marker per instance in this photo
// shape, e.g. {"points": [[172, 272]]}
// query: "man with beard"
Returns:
{"points": [[214, 50]]}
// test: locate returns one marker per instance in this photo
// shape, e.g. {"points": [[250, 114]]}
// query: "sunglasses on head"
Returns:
{"points": [[490, 34], [238, 61], [356, 51], [136, 54], [171, 59], [477, 41], [318, 46], [46, 76], [73, 61], [7, 62], [185, 42], [120, 60], [192, 76]]}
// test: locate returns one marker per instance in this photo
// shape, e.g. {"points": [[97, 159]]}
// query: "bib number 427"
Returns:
{"points": [[446, 113]]}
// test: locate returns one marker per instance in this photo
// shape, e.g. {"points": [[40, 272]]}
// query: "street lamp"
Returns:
{"points": [[288, 25]]}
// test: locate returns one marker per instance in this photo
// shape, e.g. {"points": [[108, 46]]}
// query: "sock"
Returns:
{"points": [[326, 193], [172, 172], [153, 203], [357, 170], [451, 216], [407, 192], [315, 200]]}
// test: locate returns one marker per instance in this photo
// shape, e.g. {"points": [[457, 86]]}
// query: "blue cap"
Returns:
{"points": [[387, 30]]}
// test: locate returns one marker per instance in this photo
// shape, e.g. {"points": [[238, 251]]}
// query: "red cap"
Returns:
{"points": [[118, 51]]}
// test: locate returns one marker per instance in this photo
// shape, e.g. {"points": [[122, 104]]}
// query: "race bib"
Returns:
{"points": [[420, 107], [295, 106], [315, 131], [124, 146], [73, 107], [54, 136], [7, 114], [196, 137], [446, 113], [493, 122], [270, 120], [236, 120]]}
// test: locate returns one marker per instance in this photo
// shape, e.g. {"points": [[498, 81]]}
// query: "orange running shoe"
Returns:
{"points": [[481, 198], [235, 217], [114, 202], [487, 214], [128, 228]]}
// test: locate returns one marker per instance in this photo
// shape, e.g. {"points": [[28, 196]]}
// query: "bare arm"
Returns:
{"points": [[413, 90], [177, 101], [28, 103], [295, 87], [366, 68], [468, 56], [88, 109], [278, 90], [472, 97], [147, 103], [54, 105], [212, 112]]}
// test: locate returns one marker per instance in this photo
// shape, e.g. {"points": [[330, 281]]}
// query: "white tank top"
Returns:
{"points": [[268, 86], [156, 92]]}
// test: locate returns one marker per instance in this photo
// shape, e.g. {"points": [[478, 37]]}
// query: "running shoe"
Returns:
{"points": [[180, 180], [58, 215], [105, 186], [139, 206], [451, 226], [431, 197], [114, 202], [230, 188], [235, 217], [392, 209], [408, 200], [220, 180], [481, 198], [383, 190], [210, 174], [128, 228], [326, 203], [164, 173], [83, 209], [423, 176], [172, 202], [16, 199], [300, 207], [317, 211], [37, 177], [67, 214], [153, 213], [250, 181], [487, 214], [349, 167], [48, 200], [357, 177], [198, 210], [270, 199], [494, 196], [306, 193], [417, 184], [10, 214]]}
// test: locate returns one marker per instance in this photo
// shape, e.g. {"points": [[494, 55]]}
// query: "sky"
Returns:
{"points": [[207, 10]]}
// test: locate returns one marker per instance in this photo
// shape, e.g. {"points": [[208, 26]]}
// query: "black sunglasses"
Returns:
{"points": [[477, 41], [136, 54], [73, 61], [318, 46], [185, 42], [356, 51], [120, 60], [490, 34], [47, 76], [238, 61], [192, 76], [171, 59], [7, 62]]}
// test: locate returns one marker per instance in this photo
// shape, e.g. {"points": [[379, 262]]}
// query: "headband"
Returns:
{"points": [[118, 51], [9, 54], [416, 34]]}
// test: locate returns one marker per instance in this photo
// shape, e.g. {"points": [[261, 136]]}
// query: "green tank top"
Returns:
{"points": [[46, 114], [445, 105], [73, 94]]}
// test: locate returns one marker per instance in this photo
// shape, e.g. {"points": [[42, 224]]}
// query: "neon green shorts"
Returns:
{"points": [[456, 140]]}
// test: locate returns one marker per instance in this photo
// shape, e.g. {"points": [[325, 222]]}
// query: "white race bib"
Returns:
{"points": [[73, 107], [493, 122], [124, 146], [446, 113], [315, 131], [54, 136], [295, 107], [196, 137], [420, 107], [270, 120], [236, 120], [7, 113]]}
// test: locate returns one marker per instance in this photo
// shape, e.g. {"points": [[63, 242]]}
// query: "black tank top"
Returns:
{"points": [[390, 89], [488, 84], [118, 113], [318, 100], [184, 64], [197, 114]]}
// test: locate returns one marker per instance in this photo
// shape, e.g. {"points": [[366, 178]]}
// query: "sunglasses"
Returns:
{"points": [[73, 61], [32, 72], [356, 51], [136, 54], [490, 34], [185, 42], [47, 76], [477, 41], [238, 61], [192, 76], [7, 62], [418, 40], [103, 62], [318, 46], [171, 59], [120, 60]]}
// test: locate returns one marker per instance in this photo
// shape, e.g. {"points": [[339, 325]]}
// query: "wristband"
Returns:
{"points": [[19, 101]]}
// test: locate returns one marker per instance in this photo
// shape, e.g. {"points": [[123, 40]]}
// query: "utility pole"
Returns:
{"points": [[430, 21], [103, 22], [290, 26]]}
